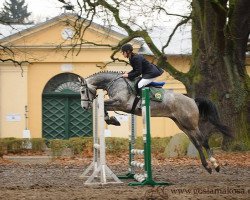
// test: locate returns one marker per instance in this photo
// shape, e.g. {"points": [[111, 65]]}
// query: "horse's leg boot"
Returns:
{"points": [[112, 120]]}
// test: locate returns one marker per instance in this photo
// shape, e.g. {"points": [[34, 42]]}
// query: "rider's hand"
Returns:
{"points": [[125, 75]]}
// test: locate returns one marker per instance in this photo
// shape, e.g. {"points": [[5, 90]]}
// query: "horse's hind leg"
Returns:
{"points": [[207, 129], [210, 156], [194, 138]]}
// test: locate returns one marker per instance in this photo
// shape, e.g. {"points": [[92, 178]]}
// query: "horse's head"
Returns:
{"points": [[88, 94]]}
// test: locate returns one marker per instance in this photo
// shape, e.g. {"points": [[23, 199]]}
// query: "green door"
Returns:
{"points": [[63, 117]]}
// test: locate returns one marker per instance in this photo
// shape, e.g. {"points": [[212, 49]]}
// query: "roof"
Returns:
{"points": [[7, 30], [180, 43], [18, 30]]}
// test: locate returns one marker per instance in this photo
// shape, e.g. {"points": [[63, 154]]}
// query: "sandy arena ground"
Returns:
{"points": [[60, 180]]}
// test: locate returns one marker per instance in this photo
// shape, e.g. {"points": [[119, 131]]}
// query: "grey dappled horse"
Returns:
{"points": [[196, 118]]}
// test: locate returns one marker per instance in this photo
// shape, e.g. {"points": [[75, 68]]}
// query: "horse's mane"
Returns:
{"points": [[106, 72]]}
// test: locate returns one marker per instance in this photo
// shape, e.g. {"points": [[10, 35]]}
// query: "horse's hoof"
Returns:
{"points": [[209, 170], [112, 120], [217, 168]]}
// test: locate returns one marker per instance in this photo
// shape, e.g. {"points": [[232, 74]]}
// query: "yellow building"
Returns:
{"points": [[42, 96]]}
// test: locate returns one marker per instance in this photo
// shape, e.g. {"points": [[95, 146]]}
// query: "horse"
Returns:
{"points": [[197, 118]]}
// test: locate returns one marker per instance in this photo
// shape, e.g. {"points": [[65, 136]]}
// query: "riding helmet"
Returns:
{"points": [[127, 47]]}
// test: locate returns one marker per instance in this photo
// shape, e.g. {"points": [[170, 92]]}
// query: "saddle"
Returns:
{"points": [[156, 90], [156, 93], [156, 84]]}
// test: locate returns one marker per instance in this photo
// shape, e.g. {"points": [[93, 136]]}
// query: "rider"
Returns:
{"points": [[140, 66]]}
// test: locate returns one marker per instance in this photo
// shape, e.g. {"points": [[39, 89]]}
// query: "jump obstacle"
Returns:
{"points": [[144, 178], [98, 168]]}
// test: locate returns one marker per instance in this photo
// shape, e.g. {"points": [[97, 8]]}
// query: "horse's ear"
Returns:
{"points": [[81, 80]]}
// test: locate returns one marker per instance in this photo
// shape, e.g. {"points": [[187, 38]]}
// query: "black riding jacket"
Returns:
{"points": [[142, 67]]}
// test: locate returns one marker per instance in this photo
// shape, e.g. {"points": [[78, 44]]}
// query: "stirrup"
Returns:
{"points": [[139, 106]]}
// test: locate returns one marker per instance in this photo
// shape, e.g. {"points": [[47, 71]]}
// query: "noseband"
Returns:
{"points": [[88, 91]]}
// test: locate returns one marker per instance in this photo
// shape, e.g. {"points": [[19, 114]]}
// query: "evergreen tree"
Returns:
{"points": [[14, 12]]}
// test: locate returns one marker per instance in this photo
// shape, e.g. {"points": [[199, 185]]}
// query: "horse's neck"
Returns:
{"points": [[101, 81]]}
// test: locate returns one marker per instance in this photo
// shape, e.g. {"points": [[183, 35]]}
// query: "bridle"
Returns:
{"points": [[93, 91], [88, 92]]}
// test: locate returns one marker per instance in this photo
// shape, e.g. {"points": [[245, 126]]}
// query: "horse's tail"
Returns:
{"points": [[209, 112]]}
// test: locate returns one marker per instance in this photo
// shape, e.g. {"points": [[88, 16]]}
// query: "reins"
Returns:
{"points": [[107, 88], [115, 79], [112, 82], [88, 90]]}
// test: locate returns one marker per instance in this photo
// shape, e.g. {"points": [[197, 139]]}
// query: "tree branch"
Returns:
{"points": [[174, 30], [219, 5], [170, 14], [92, 7]]}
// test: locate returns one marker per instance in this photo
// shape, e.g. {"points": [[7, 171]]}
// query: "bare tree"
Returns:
{"points": [[8, 53], [220, 32]]}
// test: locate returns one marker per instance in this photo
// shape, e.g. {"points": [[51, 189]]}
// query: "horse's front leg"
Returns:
{"points": [[109, 104]]}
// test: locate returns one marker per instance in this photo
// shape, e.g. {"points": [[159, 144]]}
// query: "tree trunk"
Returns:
{"points": [[218, 59]]}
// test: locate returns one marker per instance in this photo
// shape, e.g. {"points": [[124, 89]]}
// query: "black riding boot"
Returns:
{"points": [[110, 120], [139, 95], [138, 92]]}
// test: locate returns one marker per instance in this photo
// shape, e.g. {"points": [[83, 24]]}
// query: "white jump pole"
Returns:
{"points": [[98, 166], [94, 165]]}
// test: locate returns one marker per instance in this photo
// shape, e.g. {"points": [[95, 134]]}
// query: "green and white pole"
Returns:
{"points": [[146, 179]]}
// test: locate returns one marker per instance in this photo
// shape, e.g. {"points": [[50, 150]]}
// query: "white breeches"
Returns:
{"points": [[143, 82]]}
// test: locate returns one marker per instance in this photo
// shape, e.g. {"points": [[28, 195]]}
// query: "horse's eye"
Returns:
{"points": [[82, 91]]}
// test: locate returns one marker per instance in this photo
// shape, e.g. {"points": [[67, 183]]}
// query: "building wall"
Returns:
{"points": [[39, 46], [39, 74], [13, 99], [24, 88]]}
